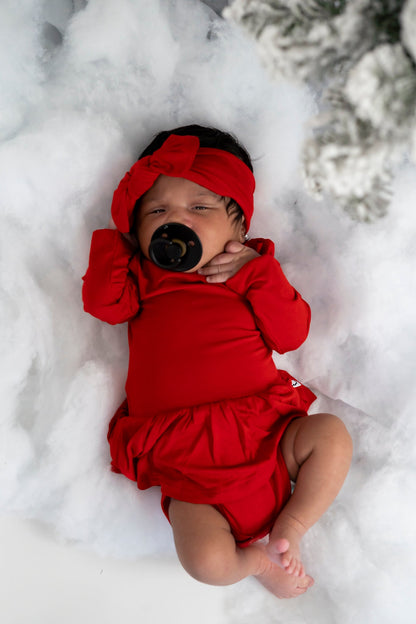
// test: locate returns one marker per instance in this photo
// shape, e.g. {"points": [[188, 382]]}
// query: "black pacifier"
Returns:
{"points": [[175, 247]]}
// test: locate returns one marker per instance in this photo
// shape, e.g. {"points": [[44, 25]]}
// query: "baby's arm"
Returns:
{"points": [[282, 316], [110, 292]]}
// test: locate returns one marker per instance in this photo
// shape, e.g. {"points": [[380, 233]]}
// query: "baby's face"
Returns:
{"points": [[182, 201]]}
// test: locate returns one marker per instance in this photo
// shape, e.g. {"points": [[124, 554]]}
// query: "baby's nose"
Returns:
{"points": [[181, 216]]}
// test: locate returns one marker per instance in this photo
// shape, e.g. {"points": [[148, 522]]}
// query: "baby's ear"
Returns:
{"points": [[243, 230]]}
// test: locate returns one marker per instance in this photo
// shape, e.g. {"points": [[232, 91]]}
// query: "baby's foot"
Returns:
{"points": [[284, 550], [281, 584]]}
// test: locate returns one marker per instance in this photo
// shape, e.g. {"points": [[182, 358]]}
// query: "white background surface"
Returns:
{"points": [[44, 582]]}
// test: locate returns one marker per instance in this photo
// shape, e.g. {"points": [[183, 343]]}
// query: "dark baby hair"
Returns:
{"points": [[208, 137]]}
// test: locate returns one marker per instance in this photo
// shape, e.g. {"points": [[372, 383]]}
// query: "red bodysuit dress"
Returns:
{"points": [[205, 406]]}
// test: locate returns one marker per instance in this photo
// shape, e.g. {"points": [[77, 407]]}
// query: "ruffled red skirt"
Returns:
{"points": [[226, 454]]}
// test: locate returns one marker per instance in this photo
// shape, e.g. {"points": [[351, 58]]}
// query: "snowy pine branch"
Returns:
{"points": [[362, 55]]}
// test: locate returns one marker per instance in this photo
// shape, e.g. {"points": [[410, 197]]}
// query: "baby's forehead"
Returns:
{"points": [[168, 186]]}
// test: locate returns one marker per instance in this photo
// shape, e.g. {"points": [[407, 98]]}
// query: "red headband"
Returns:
{"points": [[181, 157]]}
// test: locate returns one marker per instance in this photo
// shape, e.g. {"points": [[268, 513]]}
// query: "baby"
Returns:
{"points": [[207, 416]]}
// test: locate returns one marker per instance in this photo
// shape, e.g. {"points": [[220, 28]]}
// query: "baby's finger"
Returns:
{"points": [[222, 258], [215, 268], [219, 278]]}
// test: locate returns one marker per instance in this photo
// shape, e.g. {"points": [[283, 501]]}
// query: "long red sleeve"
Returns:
{"points": [[110, 291], [281, 314]]}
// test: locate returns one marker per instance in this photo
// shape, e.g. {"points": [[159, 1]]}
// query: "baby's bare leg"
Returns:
{"points": [[208, 552], [317, 451]]}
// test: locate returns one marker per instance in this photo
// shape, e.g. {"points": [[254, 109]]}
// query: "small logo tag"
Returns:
{"points": [[295, 383]]}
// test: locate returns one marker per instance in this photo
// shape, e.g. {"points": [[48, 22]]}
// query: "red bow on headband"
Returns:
{"points": [[182, 157]]}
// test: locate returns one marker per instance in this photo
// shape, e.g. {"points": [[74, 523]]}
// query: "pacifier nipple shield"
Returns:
{"points": [[175, 247]]}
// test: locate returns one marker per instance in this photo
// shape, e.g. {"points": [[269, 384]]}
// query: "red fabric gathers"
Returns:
{"points": [[182, 157], [205, 406]]}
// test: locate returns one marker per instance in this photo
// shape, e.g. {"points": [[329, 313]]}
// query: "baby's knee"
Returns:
{"points": [[325, 431], [338, 435], [207, 565]]}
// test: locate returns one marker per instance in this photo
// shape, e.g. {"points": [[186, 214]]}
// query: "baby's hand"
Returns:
{"points": [[226, 264]]}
